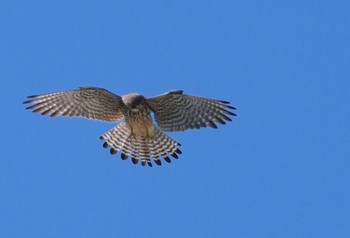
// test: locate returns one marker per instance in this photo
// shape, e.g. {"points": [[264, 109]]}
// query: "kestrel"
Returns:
{"points": [[137, 136]]}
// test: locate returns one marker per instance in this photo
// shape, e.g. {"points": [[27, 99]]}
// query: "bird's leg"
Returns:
{"points": [[132, 134], [147, 137]]}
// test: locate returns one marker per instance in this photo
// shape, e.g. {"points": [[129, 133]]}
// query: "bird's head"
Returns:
{"points": [[133, 101]]}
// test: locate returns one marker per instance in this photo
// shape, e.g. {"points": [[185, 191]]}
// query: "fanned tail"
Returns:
{"points": [[120, 139]]}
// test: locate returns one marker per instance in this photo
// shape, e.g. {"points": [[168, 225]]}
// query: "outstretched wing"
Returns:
{"points": [[89, 102], [175, 111]]}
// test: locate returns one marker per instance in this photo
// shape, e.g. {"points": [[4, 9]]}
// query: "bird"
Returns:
{"points": [[140, 135]]}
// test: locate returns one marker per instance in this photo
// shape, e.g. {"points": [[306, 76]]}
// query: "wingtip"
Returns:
{"points": [[231, 107], [28, 101], [227, 104], [221, 121], [224, 102], [228, 112], [33, 96]]}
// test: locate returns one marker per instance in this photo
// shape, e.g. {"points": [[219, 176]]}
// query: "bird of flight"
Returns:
{"points": [[137, 136]]}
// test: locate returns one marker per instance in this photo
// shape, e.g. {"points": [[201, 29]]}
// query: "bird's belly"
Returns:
{"points": [[141, 128]]}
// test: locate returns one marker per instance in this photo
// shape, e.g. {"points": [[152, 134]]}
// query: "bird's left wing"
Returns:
{"points": [[89, 102], [175, 111]]}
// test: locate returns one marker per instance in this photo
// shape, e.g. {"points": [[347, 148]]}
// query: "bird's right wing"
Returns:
{"points": [[175, 111], [89, 102]]}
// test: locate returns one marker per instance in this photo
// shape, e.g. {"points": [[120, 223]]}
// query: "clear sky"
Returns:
{"points": [[280, 169]]}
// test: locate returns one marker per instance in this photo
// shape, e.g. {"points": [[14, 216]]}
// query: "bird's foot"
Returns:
{"points": [[132, 136]]}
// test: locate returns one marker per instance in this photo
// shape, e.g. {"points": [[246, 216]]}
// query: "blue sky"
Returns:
{"points": [[280, 169]]}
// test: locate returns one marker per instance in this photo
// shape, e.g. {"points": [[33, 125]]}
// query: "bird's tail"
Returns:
{"points": [[156, 147]]}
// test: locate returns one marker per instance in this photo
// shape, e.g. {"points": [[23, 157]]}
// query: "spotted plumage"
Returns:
{"points": [[137, 137]]}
